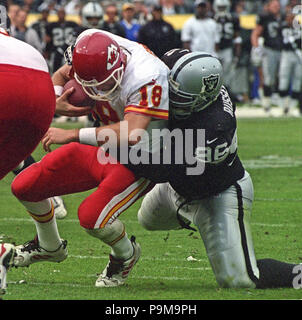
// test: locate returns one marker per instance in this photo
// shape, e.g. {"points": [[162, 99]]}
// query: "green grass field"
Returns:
{"points": [[272, 152]]}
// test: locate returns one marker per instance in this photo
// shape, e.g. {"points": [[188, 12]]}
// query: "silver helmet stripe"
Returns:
{"points": [[188, 61]]}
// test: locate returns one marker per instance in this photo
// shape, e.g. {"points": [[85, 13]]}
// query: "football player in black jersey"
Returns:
{"points": [[92, 16], [218, 201], [35, 34], [268, 57], [59, 35], [229, 47], [290, 72]]}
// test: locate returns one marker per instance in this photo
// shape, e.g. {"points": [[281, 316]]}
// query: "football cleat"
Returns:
{"points": [[59, 207], [31, 252], [7, 251], [117, 270]]}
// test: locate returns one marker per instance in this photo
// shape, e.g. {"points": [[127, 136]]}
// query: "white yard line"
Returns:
{"points": [[142, 258], [256, 112], [28, 220], [77, 285]]}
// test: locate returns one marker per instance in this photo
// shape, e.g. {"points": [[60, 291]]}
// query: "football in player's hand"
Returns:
{"points": [[78, 97]]}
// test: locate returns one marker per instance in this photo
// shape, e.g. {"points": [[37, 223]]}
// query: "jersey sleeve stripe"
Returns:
{"points": [[2, 31], [156, 113]]}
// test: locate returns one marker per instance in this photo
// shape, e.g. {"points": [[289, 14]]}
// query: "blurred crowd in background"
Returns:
{"points": [[252, 57], [144, 6]]}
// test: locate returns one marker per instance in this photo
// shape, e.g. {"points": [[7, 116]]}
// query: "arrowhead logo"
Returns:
{"points": [[112, 56]]}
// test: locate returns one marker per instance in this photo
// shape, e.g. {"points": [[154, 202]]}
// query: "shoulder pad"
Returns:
{"points": [[170, 57]]}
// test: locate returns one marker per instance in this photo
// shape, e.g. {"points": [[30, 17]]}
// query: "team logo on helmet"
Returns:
{"points": [[113, 56], [210, 83]]}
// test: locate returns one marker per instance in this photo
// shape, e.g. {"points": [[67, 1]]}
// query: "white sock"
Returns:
{"points": [[260, 92], [42, 213], [293, 103], [114, 235], [266, 102], [284, 103], [122, 249]]}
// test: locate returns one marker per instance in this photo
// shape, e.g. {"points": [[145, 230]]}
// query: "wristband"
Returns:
{"points": [[58, 90], [88, 136]]}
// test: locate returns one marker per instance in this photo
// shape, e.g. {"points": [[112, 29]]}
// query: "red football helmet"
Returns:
{"points": [[98, 64]]}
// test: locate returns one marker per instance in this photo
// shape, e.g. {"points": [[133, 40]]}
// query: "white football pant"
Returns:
{"points": [[290, 72], [270, 66], [223, 222], [226, 56]]}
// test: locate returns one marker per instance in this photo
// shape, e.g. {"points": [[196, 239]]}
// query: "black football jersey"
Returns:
{"points": [[62, 35], [216, 152], [271, 30], [40, 28], [291, 37], [209, 138], [78, 30], [114, 28], [228, 25]]}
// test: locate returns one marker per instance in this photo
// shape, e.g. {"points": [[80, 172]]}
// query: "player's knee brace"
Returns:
{"points": [[110, 234]]}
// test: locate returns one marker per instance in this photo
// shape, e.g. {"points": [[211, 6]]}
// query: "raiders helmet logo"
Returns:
{"points": [[210, 83], [68, 55], [112, 56]]}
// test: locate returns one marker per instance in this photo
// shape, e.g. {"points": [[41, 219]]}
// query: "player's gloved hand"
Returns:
{"points": [[257, 56], [59, 136], [64, 108]]}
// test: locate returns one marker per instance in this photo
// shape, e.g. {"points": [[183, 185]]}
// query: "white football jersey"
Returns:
{"points": [[18, 53], [144, 90]]}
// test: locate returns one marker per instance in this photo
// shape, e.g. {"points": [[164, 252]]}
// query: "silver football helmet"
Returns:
{"points": [[4, 20], [92, 15], [221, 7], [194, 82]]}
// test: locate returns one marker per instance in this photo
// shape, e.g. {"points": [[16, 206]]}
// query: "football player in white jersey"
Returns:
{"points": [[130, 87]]}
